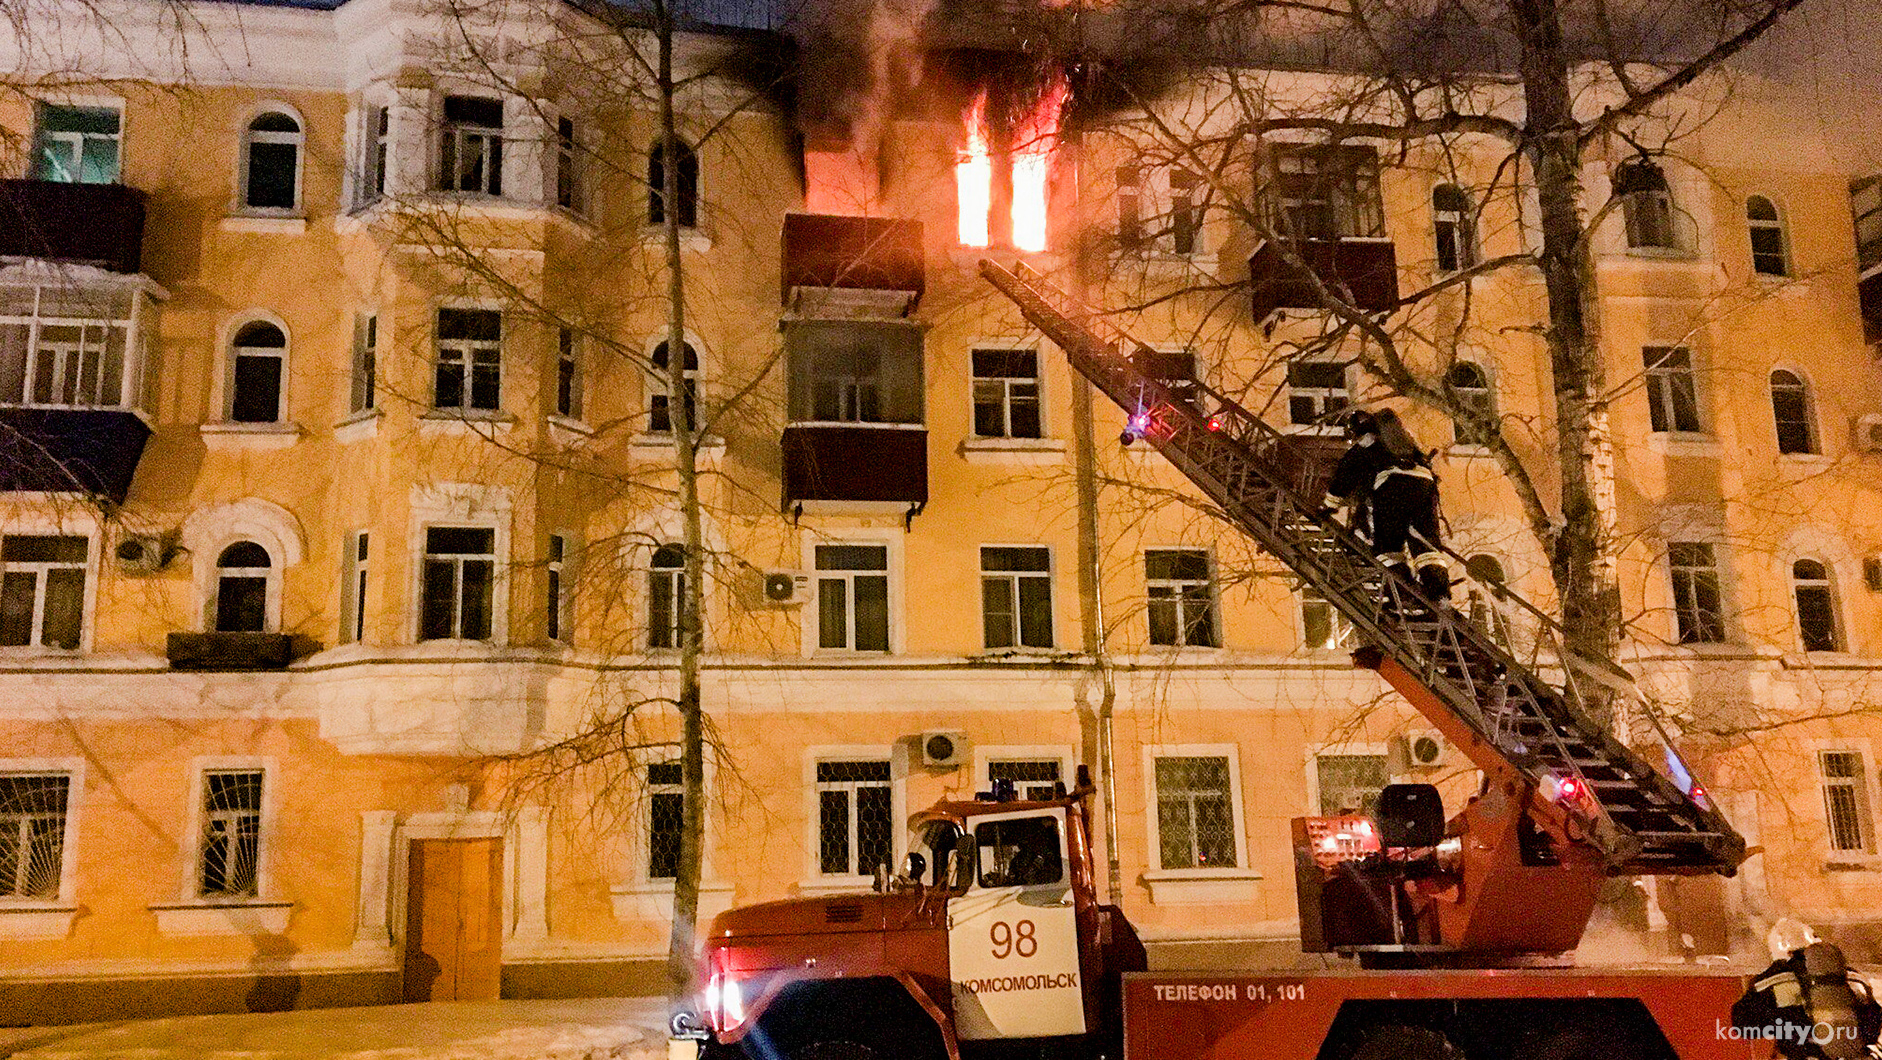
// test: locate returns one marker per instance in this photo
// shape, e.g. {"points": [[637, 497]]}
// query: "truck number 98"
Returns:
{"points": [[1010, 939]]}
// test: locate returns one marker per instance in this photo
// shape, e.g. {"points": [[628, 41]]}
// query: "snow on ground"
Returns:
{"points": [[589, 1029]]}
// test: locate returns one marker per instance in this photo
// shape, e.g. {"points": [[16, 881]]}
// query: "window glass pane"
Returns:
{"points": [[1015, 559], [1035, 612], [17, 590], [474, 110], [241, 604], [42, 548], [244, 554], [1816, 617], [875, 834], [460, 540], [257, 389], [833, 827], [65, 608], [437, 609], [1023, 852], [475, 612], [832, 613], [997, 611], [852, 557], [271, 174], [1194, 814], [872, 613], [666, 819], [484, 325]]}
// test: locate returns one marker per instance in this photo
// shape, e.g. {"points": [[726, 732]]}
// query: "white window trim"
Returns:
{"points": [[360, 141], [1184, 886], [225, 399], [577, 416], [808, 614], [49, 918], [70, 525], [505, 340], [1864, 747], [1486, 364], [245, 136], [1156, 204], [1677, 442], [101, 102], [641, 899], [985, 756], [1812, 419], [1340, 621], [1329, 429], [1051, 575], [207, 531], [566, 570], [192, 914], [1355, 747], [509, 135], [1783, 223], [1721, 564], [1834, 582], [271, 623], [652, 388], [462, 505], [1215, 599], [814, 881], [1009, 342], [1471, 221], [696, 236], [353, 616]]}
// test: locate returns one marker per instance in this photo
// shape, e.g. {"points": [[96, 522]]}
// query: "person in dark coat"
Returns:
{"points": [[1387, 471], [1808, 1002]]}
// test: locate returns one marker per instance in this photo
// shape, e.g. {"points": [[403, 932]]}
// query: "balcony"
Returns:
{"points": [[70, 450], [855, 466], [1367, 267], [90, 224], [852, 266], [234, 652]]}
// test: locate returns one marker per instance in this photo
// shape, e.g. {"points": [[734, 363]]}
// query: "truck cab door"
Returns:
{"points": [[1013, 946]]}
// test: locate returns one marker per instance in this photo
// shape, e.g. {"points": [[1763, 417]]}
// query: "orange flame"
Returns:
{"points": [[973, 177], [1034, 140]]}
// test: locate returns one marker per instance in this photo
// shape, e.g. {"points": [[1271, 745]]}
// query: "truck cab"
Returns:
{"points": [[990, 941]]}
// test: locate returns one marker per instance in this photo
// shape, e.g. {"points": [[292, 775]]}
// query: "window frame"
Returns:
{"points": [[231, 375], [469, 348], [1865, 788], [42, 136], [1666, 209], [1776, 223], [270, 577], [1832, 603], [41, 569], [248, 136], [498, 604], [558, 603], [1015, 582], [570, 397], [1153, 816], [814, 879], [1481, 398], [656, 189], [852, 798], [355, 573], [454, 134], [568, 168], [658, 401], [675, 579], [987, 756], [1346, 178], [373, 152], [1316, 795], [1461, 235], [653, 790], [1327, 413], [66, 896], [1660, 381], [1340, 631], [363, 389], [1812, 437], [1689, 621], [196, 814], [1006, 384], [1211, 598], [812, 611]]}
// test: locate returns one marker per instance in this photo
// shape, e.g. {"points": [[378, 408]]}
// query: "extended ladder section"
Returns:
{"points": [[1460, 668]]}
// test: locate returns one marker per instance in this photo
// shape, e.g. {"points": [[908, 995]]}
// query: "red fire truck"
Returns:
{"points": [[993, 941]]}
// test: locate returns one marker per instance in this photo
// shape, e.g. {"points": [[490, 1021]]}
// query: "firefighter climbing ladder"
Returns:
{"points": [[1262, 480]]}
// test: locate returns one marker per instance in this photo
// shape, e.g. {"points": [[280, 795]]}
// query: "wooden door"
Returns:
{"points": [[454, 920]]}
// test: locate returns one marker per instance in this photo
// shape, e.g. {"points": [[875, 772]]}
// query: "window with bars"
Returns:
{"points": [[244, 576], [1322, 626], [353, 620], [1316, 393], [1006, 393], [258, 373], [1699, 617], [365, 397], [666, 595], [32, 833], [230, 860], [660, 403], [568, 374], [1195, 813], [459, 583], [1470, 385], [1349, 783], [472, 145], [1016, 596], [853, 597], [1816, 605], [1454, 228], [1672, 394], [1846, 801], [1790, 409], [855, 817], [1181, 598], [42, 590], [1031, 778], [470, 360], [666, 818], [1768, 257]]}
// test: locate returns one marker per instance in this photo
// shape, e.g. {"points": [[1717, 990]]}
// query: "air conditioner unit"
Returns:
{"points": [[943, 750], [785, 588], [1869, 432], [1419, 749], [147, 553]]}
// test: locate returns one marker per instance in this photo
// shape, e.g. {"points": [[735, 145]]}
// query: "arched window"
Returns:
{"points": [[271, 162], [1767, 237], [259, 357], [1487, 582], [244, 577], [686, 179], [659, 405], [1790, 407], [1816, 605], [666, 596], [1646, 205], [1471, 384], [1453, 227]]}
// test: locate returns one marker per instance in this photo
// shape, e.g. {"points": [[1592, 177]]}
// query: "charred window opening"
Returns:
{"points": [[1326, 192], [1003, 175]]}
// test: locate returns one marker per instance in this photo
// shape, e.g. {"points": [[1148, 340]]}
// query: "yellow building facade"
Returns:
{"points": [[339, 480]]}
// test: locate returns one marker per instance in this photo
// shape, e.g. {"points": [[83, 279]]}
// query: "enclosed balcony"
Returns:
{"points": [[74, 375], [1362, 270], [838, 266], [856, 441], [84, 224]]}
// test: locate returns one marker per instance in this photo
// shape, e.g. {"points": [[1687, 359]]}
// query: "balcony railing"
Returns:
{"points": [[873, 261], [1362, 269], [87, 224], [858, 463], [234, 652]]}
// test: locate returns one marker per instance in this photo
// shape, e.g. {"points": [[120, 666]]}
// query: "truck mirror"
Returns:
{"points": [[966, 858], [913, 866]]}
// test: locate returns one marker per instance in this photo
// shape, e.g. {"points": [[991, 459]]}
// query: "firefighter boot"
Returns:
{"points": [[1435, 583]]}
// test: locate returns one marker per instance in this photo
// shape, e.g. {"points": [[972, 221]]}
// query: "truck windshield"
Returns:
{"points": [[1019, 852]]}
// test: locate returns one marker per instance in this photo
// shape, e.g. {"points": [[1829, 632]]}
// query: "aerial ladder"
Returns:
{"points": [[1564, 803]]}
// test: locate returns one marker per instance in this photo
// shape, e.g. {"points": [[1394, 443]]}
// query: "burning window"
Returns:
{"points": [[1005, 166]]}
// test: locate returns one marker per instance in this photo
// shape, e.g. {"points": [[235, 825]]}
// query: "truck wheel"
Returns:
{"points": [[1399, 1042]]}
